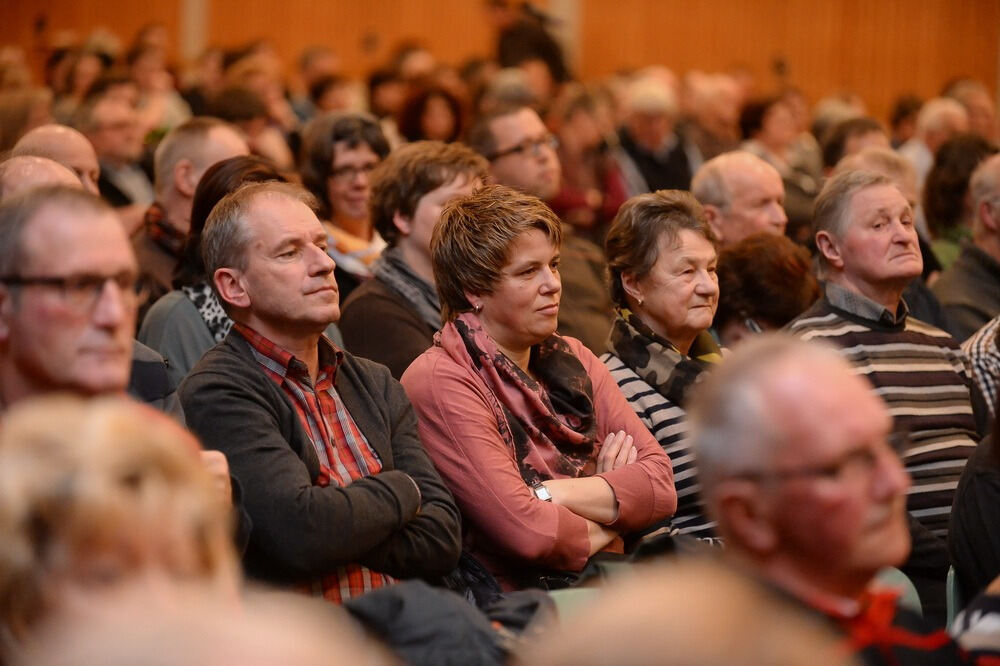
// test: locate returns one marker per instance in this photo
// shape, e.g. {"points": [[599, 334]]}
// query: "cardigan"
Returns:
{"points": [[401, 521], [508, 528]]}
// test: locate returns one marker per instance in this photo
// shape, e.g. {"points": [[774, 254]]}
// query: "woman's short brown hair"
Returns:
{"points": [[633, 241], [471, 245]]}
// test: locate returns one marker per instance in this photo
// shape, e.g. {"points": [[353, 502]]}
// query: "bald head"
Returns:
{"points": [[27, 172], [742, 195], [66, 146]]}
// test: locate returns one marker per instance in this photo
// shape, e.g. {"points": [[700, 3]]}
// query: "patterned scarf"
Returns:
{"points": [[170, 240], [549, 424], [395, 274], [658, 362], [208, 306]]}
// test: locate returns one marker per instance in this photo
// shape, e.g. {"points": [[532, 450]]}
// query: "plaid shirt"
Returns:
{"points": [[344, 453]]}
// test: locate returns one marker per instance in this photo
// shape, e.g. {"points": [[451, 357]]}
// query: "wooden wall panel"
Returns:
{"points": [[362, 33], [878, 49]]}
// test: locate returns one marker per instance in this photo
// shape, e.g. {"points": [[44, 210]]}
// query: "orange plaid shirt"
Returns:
{"points": [[344, 453]]}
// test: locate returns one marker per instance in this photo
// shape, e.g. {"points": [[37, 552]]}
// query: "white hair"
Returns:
{"points": [[936, 114]]}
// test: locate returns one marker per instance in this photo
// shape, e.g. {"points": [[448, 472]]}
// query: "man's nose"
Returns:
{"points": [[113, 306], [321, 262]]}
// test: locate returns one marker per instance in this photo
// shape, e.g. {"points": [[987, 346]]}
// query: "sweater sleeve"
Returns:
{"points": [[428, 545], [174, 328], [645, 489], [460, 432], [300, 529]]}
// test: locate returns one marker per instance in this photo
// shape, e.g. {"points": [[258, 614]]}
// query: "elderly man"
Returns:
{"points": [[742, 195], [867, 248], [521, 154], [797, 458], [66, 146], [939, 120], [25, 172], [183, 155], [969, 290], [342, 496], [653, 156]]}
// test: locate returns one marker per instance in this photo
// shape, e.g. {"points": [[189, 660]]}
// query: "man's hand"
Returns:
{"points": [[617, 451], [217, 466]]}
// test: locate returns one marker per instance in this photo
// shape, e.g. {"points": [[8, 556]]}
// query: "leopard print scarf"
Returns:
{"points": [[657, 361], [207, 304]]}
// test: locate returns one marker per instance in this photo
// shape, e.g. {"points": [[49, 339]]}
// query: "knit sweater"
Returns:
{"points": [[923, 377]]}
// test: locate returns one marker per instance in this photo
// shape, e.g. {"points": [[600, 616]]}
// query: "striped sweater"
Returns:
{"points": [[668, 423], [924, 378]]}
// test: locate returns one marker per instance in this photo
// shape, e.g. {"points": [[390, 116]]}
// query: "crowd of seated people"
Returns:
{"points": [[444, 342]]}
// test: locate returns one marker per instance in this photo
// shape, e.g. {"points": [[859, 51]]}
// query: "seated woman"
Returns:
{"points": [[662, 261], [546, 460], [188, 321], [765, 282]]}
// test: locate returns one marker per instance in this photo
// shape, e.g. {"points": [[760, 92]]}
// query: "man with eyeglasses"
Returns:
{"points": [[868, 252], [799, 466], [522, 154]]}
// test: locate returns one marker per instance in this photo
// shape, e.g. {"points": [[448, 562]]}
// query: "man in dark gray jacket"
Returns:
{"points": [[342, 496]]}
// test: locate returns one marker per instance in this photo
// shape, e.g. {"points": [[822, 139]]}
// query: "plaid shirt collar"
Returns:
{"points": [[284, 364], [862, 306]]}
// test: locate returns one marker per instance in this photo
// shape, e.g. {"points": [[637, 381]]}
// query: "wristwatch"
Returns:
{"points": [[542, 493]]}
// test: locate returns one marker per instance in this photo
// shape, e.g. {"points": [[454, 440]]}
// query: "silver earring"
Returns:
{"points": [[477, 308], [640, 302]]}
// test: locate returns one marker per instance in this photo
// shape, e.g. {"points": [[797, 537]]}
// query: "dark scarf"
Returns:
{"points": [[207, 303], [391, 270], [159, 230], [658, 362], [549, 424]]}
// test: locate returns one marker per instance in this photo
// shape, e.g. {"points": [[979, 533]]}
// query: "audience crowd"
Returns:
{"points": [[498, 365]]}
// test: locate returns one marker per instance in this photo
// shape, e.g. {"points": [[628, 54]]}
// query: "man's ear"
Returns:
{"points": [[231, 287], [6, 312], [403, 223], [990, 216], [713, 215], [184, 181], [631, 286], [829, 247], [744, 513]]}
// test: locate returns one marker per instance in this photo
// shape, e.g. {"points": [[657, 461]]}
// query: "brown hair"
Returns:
{"points": [[633, 241], [765, 277], [471, 244], [410, 172]]}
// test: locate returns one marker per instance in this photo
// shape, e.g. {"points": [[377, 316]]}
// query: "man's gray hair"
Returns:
{"points": [[709, 182], [187, 140], [830, 213], [227, 236], [17, 212], [936, 114], [984, 185], [733, 429]]}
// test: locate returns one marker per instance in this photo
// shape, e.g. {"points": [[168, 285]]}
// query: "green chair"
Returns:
{"points": [[953, 596], [908, 598]]}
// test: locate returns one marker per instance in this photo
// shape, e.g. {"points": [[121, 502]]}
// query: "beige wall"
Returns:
{"points": [[878, 48]]}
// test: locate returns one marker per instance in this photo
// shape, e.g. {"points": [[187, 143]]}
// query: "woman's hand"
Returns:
{"points": [[617, 451]]}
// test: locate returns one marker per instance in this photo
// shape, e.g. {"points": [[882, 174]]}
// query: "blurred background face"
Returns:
{"points": [[437, 121], [532, 166], [349, 183], [778, 129], [650, 130], [756, 202], [116, 136]]}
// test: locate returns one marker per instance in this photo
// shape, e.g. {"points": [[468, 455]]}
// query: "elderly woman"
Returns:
{"points": [[662, 260], [546, 460]]}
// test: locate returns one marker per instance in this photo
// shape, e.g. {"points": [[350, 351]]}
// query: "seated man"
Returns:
{"points": [[799, 468], [392, 318], [66, 146], [868, 252], [969, 290], [342, 496]]}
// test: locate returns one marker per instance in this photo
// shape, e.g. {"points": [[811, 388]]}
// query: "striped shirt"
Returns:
{"points": [[668, 424], [923, 377], [344, 453], [983, 349]]}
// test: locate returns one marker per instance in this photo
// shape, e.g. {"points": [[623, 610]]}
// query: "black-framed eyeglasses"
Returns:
{"points": [[528, 146], [854, 464], [81, 292], [347, 174]]}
